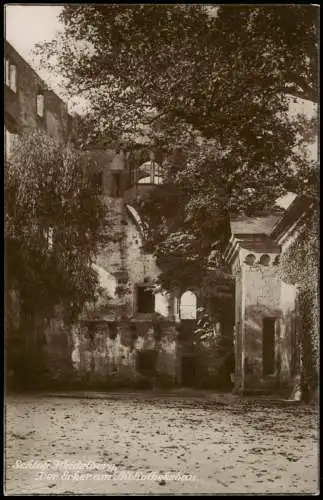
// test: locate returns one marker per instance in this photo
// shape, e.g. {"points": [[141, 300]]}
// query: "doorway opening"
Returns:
{"points": [[188, 369], [268, 346], [145, 300]]}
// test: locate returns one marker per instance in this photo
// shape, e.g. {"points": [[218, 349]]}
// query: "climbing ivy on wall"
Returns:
{"points": [[300, 265]]}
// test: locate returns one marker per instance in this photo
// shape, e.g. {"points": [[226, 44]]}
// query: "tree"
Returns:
{"points": [[207, 86], [53, 230]]}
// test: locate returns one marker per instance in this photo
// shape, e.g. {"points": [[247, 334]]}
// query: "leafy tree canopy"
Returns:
{"points": [[54, 226], [210, 87]]}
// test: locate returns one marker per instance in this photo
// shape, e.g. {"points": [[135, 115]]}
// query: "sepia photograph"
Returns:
{"points": [[161, 249]]}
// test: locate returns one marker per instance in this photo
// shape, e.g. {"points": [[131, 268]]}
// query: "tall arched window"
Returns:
{"points": [[188, 305]]}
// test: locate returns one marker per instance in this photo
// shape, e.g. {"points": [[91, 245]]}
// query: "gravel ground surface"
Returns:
{"points": [[161, 445]]}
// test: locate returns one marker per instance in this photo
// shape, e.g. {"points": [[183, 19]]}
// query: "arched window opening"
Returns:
{"points": [[188, 305], [264, 260], [250, 259]]}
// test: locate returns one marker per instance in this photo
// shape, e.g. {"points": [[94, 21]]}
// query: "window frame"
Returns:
{"points": [[7, 72], [13, 77], [40, 95], [10, 74], [191, 307]]}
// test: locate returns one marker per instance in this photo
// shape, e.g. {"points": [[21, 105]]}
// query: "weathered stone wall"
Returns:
{"points": [[125, 256], [267, 296], [262, 299], [21, 107], [107, 353]]}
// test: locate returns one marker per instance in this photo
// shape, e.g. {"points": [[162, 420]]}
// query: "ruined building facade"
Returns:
{"points": [[267, 321], [137, 330], [30, 104]]}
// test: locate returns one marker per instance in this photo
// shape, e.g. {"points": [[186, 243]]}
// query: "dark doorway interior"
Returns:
{"points": [[268, 345], [116, 185], [188, 371], [188, 360], [146, 362], [145, 300]]}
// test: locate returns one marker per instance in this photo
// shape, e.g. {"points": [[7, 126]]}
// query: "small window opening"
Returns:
{"points": [[145, 300], [40, 105], [269, 345], [264, 260]]}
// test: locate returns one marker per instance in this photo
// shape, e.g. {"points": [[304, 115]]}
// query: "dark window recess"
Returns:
{"points": [[157, 332], [188, 370], [133, 333], [96, 182], [116, 185], [268, 354], [113, 332], [91, 334], [145, 300]]}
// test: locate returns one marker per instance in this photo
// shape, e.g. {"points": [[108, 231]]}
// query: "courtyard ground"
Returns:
{"points": [[119, 444]]}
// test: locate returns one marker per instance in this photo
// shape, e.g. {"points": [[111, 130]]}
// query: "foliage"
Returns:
{"points": [[208, 87], [53, 227], [300, 265], [214, 350]]}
